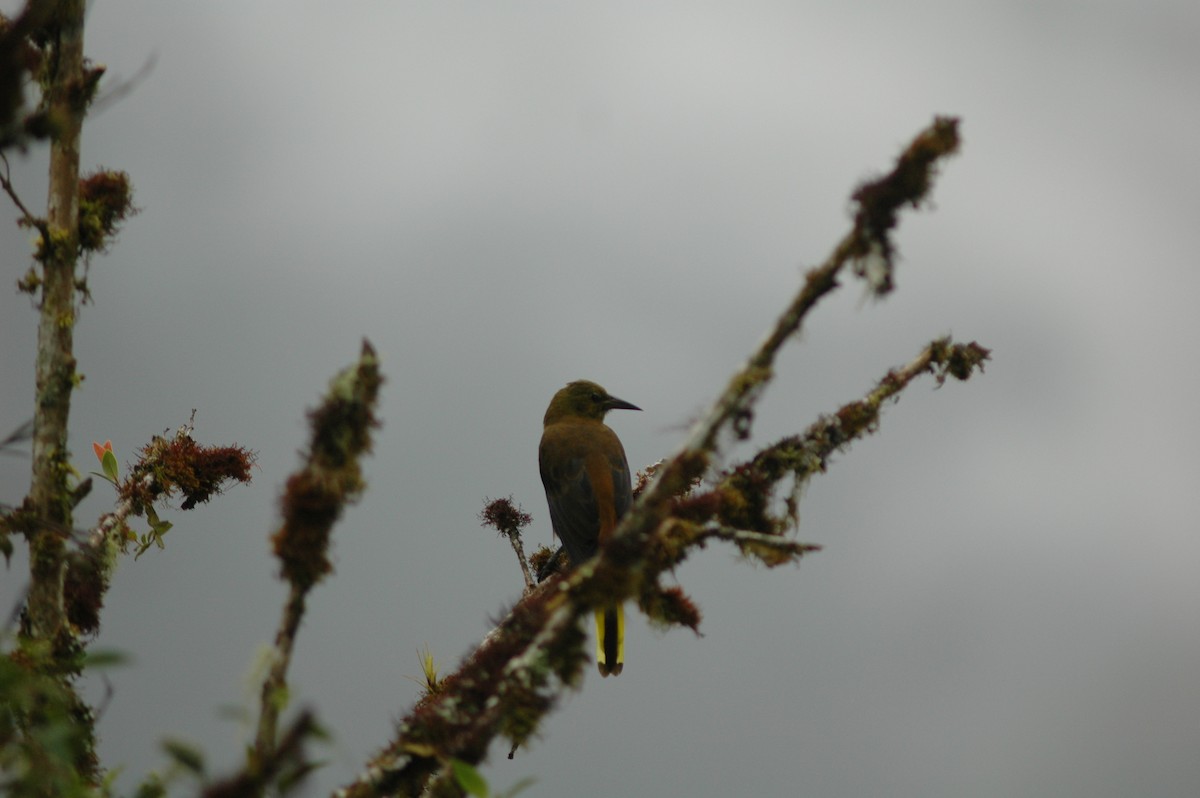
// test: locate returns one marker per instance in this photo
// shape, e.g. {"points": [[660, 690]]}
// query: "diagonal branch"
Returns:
{"points": [[313, 501], [739, 505], [907, 184], [517, 674]]}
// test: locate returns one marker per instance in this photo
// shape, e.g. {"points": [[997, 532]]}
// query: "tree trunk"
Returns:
{"points": [[49, 493]]}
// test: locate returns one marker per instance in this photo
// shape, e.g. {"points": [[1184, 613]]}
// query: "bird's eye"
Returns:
{"points": [[595, 396]]}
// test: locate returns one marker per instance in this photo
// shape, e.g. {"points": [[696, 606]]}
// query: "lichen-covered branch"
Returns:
{"points": [[878, 202], [49, 745], [48, 651], [55, 362], [315, 496], [806, 454], [742, 497], [515, 677], [166, 468]]}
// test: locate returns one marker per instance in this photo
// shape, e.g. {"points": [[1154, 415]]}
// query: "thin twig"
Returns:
{"points": [[515, 539], [745, 537], [109, 528], [508, 519], [274, 688], [35, 222]]}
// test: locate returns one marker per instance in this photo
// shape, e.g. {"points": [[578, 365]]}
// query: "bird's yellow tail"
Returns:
{"points": [[610, 640]]}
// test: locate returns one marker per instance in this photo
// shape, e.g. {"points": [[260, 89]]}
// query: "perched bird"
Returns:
{"points": [[588, 488]]}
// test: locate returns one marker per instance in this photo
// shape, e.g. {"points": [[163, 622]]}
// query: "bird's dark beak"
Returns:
{"points": [[613, 403]]}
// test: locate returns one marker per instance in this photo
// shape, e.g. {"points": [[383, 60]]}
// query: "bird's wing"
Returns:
{"points": [[572, 502], [586, 478], [587, 483], [622, 482]]}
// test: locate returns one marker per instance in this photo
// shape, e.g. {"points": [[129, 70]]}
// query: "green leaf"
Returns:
{"points": [[58, 738], [291, 778], [518, 788], [152, 787], [158, 528], [186, 756], [105, 658], [109, 464], [469, 779], [278, 698]]}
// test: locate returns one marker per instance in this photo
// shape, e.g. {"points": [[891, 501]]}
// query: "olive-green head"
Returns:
{"points": [[583, 399]]}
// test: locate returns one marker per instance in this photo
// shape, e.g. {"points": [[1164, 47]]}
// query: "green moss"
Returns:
{"points": [[105, 201]]}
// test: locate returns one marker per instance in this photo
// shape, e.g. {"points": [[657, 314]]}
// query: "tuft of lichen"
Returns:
{"points": [[670, 606], [168, 467], [505, 516], [105, 201], [880, 201]]}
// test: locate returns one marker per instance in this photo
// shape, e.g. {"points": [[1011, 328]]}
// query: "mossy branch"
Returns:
{"points": [[49, 749], [742, 497], [517, 674], [166, 468], [315, 496], [47, 645], [55, 363]]}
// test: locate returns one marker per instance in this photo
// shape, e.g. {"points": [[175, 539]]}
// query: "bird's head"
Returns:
{"points": [[584, 399]]}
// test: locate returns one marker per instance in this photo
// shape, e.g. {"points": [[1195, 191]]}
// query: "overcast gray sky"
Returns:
{"points": [[506, 197]]}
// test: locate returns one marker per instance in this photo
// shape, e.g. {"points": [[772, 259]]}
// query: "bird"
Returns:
{"points": [[588, 489]]}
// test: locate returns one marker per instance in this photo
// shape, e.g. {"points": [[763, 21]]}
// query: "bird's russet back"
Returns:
{"points": [[587, 482]]}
